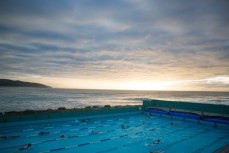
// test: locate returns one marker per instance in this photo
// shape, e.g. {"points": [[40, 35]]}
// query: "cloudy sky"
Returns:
{"points": [[116, 44]]}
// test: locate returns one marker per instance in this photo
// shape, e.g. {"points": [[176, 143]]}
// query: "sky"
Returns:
{"points": [[116, 44]]}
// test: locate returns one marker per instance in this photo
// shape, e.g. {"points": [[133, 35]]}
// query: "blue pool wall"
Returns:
{"points": [[67, 113], [214, 113]]}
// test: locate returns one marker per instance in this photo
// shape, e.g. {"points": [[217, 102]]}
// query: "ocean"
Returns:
{"points": [[20, 99]]}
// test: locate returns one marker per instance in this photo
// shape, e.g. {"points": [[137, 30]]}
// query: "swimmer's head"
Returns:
{"points": [[62, 136]]}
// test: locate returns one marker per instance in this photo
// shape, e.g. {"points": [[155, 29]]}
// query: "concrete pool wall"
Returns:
{"points": [[198, 108], [65, 113]]}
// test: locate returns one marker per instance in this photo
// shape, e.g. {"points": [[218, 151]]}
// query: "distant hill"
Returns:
{"points": [[12, 83]]}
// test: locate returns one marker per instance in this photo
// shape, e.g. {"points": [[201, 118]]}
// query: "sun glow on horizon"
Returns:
{"points": [[144, 85], [109, 84], [117, 85], [72, 83]]}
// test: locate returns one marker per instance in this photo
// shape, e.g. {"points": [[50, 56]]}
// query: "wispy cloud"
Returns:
{"points": [[115, 41]]}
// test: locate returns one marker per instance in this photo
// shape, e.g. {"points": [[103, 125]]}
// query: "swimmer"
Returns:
{"points": [[28, 146], [142, 122], [62, 136], [152, 129], [76, 122], [173, 124], [85, 120], [96, 131], [124, 126], [158, 151], [9, 137], [43, 133], [155, 143]]}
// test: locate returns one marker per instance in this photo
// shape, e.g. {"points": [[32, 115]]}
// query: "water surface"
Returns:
{"points": [[19, 99]]}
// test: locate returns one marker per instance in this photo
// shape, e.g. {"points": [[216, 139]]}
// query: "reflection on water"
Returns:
{"points": [[18, 99]]}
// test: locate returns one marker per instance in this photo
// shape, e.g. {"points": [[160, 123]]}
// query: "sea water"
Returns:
{"points": [[20, 99]]}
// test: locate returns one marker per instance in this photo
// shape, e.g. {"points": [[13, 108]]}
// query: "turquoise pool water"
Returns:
{"points": [[139, 134]]}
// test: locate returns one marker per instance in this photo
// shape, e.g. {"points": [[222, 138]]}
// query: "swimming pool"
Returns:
{"points": [[139, 134]]}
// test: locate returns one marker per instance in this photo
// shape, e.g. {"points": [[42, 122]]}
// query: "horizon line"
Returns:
{"points": [[140, 90]]}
